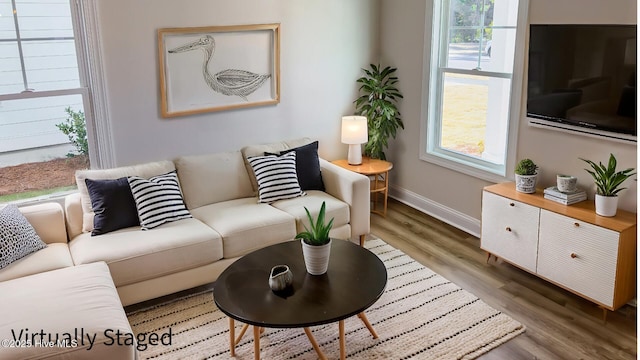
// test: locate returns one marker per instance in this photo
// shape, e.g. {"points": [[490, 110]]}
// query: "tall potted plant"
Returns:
{"points": [[316, 243], [608, 182], [526, 176], [378, 102]]}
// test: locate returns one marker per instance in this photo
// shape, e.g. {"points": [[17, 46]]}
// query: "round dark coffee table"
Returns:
{"points": [[355, 279]]}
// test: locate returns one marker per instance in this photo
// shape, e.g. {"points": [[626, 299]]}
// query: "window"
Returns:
{"points": [[40, 79], [474, 79]]}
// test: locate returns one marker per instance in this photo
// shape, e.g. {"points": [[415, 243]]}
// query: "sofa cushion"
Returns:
{"points": [[307, 166], [113, 205], [276, 176], [158, 200], [48, 220], [336, 209], [259, 150], [246, 225], [143, 170], [60, 302], [54, 256], [198, 176], [134, 255], [17, 237]]}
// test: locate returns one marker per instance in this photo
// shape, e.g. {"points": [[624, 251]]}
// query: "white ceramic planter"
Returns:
{"points": [[606, 205], [526, 183], [316, 258]]}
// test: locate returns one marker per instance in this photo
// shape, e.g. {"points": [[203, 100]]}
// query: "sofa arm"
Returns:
{"points": [[48, 221], [353, 189], [73, 213]]}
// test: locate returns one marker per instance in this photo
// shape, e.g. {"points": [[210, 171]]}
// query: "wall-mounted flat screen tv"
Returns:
{"points": [[584, 76]]}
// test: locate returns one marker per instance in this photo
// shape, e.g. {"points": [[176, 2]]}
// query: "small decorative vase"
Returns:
{"points": [[526, 183], [280, 278], [316, 258], [606, 205]]}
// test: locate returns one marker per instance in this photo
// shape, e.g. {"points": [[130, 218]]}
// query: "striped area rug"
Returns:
{"points": [[421, 315]]}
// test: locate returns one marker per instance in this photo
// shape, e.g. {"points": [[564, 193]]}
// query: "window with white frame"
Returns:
{"points": [[474, 78], [40, 79]]}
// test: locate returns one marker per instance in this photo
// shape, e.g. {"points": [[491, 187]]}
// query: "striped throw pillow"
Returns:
{"points": [[276, 176], [158, 199]]}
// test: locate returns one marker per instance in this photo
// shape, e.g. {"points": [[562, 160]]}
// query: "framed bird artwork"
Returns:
{"points": [[217, 68]]}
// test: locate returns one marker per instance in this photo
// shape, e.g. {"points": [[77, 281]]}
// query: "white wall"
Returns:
{"points": [[455, 195], [324, 44]]}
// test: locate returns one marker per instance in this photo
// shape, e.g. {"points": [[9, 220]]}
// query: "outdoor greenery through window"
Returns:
{"points": [[43, 136], [473, 47]]}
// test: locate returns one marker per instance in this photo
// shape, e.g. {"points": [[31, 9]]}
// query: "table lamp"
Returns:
{"points": [[354, 133]]}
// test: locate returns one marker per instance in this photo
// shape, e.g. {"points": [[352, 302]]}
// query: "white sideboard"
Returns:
{"points": [[570, 246]]}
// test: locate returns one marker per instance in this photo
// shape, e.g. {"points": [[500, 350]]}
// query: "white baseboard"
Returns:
{"points": [[451, 216]]}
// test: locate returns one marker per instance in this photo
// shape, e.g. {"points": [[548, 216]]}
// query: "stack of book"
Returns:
{"points": [[566, 198]]}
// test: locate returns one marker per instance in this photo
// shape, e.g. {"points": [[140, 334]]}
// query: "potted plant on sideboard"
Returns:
{"points": [[608, 182], [526, 176], [316, 243]]}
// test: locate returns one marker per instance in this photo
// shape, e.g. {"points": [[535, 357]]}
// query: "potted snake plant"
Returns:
{"points": [[608, 182], [316, 243]]}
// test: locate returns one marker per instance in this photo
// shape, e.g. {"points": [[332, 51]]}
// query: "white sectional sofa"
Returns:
{"points": [[87, 279], [220, 192]]}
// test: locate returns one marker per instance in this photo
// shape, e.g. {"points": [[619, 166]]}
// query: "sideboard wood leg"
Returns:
{"points": [[488, 257], [604, 315]]}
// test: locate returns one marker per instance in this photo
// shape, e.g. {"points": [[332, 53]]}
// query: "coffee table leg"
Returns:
{"points": [[256, 342], [232, 336], [313, 342], [242, 331], [343, 352], [364, 319]]}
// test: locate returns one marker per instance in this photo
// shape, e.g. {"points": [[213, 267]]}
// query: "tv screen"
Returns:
{"points": [[583, 75]]}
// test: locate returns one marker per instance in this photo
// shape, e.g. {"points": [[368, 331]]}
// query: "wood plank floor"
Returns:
{"points": [[560, 325]]}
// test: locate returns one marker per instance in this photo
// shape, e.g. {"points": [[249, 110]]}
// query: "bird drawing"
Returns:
{"points": [[227, 82]]}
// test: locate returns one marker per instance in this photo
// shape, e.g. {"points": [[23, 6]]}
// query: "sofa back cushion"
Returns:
{"points": [[47, 219], [143, 170], [273, 148], [209, 179]]}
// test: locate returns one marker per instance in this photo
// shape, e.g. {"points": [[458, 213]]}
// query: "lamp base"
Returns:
{"points": [[355, 154]]}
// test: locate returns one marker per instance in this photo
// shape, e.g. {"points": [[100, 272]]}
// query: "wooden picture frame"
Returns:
{"points": [[216, 68]]}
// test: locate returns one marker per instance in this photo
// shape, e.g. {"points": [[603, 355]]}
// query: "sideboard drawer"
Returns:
{"points": [[578, 255], [510, 230]]}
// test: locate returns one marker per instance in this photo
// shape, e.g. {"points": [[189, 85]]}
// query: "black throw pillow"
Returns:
{"points": [[307, 166], [113, 204]]}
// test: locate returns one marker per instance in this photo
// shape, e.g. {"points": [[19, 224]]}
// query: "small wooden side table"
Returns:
{"points": [[378, 171]]}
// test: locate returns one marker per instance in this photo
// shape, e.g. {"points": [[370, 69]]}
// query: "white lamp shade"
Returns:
{"points": [[354, 130]]}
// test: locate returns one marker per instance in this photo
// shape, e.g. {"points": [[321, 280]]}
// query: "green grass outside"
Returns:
{"points": [[33, 194], [464, 121]]}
